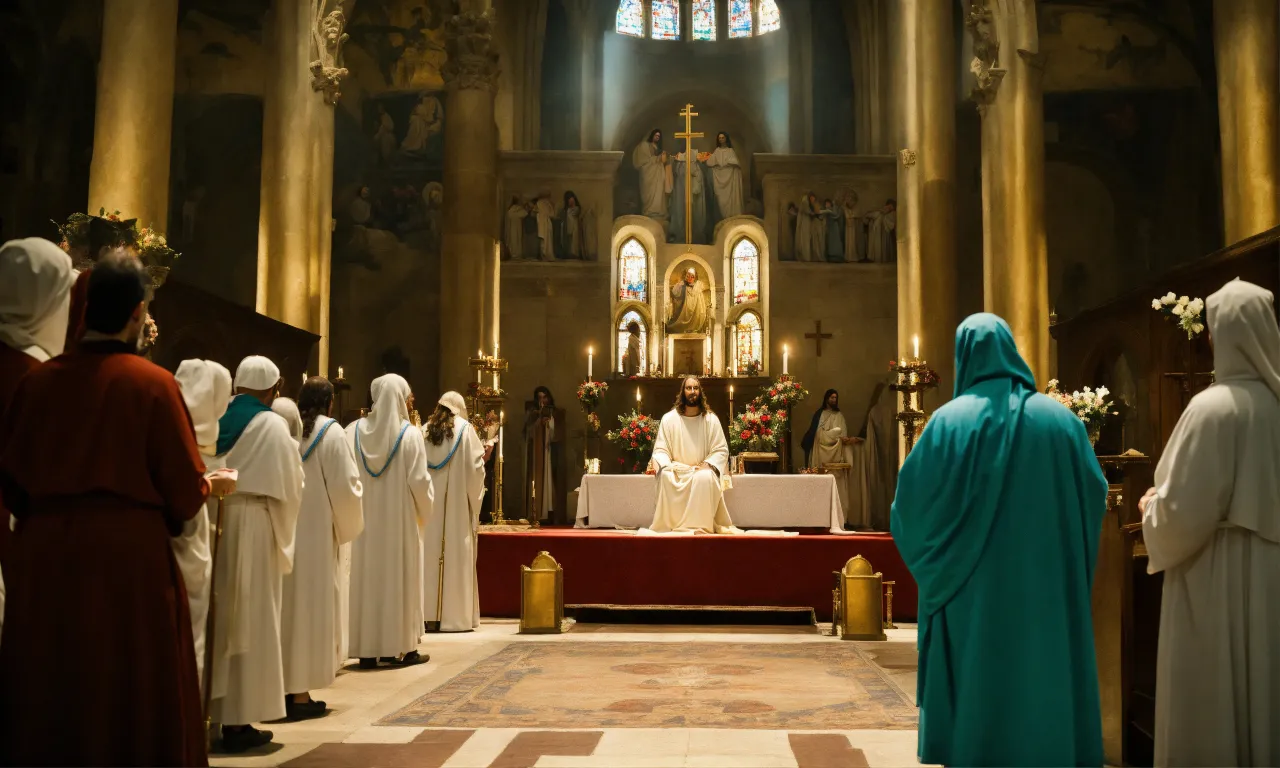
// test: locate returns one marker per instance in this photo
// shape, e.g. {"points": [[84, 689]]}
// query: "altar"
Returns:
{"points": [[754, 501]]}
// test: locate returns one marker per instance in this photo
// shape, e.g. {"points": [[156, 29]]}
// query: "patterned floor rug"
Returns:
{"points": [[796, 686]]}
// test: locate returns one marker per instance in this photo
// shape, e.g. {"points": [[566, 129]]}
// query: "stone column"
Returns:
{"points": [[469, 249], [1245, 49], [303, 41], [133, 122], [1009, 71], [926, 90]]}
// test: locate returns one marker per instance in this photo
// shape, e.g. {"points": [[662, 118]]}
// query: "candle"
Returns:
{"points": [[340, 372], [785, 354], [589, 356], [671, 362], [915, 347], [730, 391], [304, 377], [500, 429], [502, 420], [495, 350]]}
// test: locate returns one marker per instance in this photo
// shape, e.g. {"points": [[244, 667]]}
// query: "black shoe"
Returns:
{"points": [[369, 663], [411, 658], [307, 710], [244, 739]]}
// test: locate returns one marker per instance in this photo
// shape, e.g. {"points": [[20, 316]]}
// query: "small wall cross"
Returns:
{"points": [[818, 335]]}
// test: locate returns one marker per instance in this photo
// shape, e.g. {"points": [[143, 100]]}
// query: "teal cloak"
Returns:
{"points": [[997, 515]]}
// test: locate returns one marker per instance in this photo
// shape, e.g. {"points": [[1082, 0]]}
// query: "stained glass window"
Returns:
{"points": [[624, 337], [666, 19], [704, 19], [633, 272], [749, 341], [769, 18], [739, 18], [630, 18], [746, 272]]}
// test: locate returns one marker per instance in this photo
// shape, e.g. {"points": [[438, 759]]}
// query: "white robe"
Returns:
{"points": [[514, 234], [386, 561], [726, 181], [310, 636], [193, 551], [655, 180], [546, 214], [1214, 529], [258, 528], [805, 224], [691, 498], [459, 487], [851, 482], [881, 231]]}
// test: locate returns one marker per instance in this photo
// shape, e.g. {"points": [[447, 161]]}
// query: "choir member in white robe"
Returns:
{"points": [[206, 389], [256, 551], [545, 214], [726, 177], [514, 230], [1212, 525], [691, 458], [287, 409], [456, 458], [330, 517], [386, 619], [828, 442]]}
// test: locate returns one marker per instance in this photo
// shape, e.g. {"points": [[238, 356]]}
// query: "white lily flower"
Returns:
{"points": [[1155, 303]]}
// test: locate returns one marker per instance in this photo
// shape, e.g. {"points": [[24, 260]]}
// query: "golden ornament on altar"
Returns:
{"points": [[541, 596], [860, 602]]}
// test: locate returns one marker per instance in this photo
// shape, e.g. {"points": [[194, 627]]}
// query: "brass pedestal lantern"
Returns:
{"points": [[861, 595], [541, 596]]}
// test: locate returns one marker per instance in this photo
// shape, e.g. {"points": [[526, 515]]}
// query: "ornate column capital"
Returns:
{"points": [[327, 37], [985, 66], [472, 64]]}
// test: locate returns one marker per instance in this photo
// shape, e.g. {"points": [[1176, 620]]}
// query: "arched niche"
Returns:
{"points": [[728, 234], [649, 234]]}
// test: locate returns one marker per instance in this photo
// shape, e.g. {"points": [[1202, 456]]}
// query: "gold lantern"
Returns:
{"points": [[861, 614], [541, 596]]}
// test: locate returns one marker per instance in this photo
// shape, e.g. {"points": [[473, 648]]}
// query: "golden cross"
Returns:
{"points": [[689, 158]]}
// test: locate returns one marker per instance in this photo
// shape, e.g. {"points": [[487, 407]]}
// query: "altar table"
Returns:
{"points": [[754, 501]]}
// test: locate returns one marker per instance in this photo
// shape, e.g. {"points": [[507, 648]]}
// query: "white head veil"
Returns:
{"points": [[454, 402], [379, 432], [206, 388], [35, 296], [257, 373], [288, 410], [1246, 340]]}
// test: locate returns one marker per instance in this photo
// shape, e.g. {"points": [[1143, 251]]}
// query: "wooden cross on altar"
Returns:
{"points": [[818, 335], [689, 158]]}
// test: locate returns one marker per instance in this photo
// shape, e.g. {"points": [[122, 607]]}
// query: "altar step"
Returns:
{"points": [[693, 615]]}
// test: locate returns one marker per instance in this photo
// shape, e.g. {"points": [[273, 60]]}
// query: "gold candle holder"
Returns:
{"points": [[914, 377], [888, 611]]}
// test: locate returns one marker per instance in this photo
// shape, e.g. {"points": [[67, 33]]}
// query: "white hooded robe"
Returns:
{"points": [[457, 475]]}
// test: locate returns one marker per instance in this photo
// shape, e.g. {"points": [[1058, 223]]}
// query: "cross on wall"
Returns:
{"points": [[818, 335]]}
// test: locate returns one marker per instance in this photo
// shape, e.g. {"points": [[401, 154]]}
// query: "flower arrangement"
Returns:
{"points": [[1184, 312], [1089, 405], [785, 392], [486, 392], [635, 437], [753, 368], [590, 393], [593, 422], [486, 425], [754, 429], [150, 332], [153, 248]]}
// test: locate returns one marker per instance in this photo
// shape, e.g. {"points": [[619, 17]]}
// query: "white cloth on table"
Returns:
{"points": [[1214, 529], [690, 496], [458, 480]]}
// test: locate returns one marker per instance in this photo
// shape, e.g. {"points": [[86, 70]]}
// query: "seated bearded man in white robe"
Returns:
{"points": [[691, 459], [828, 442]]}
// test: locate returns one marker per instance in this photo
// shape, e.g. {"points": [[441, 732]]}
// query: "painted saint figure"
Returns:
{"points": [[690, 306]]}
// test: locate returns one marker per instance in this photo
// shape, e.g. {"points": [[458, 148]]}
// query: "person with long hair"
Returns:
{"points": [[828, 442], [541, 453], [386, 561], [331, 516], [456, 457], [691, 457]]}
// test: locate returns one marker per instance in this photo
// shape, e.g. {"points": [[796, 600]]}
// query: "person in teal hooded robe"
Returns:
{"points": [[997, 516]]}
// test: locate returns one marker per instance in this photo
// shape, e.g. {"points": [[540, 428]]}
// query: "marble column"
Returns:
{"points": [[585, 16], [133, 121], [1245, 50], [926, 113], [1009, 70], [303, 42], [469, 249]]}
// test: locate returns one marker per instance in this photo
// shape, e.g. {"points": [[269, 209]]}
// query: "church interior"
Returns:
{"points": [[780, 197]]}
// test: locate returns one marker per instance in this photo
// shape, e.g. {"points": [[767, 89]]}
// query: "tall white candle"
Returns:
{"points": [[589, 356], [340, 372], [671, 363], [785, 356], [915, 347], [304, 377], [500, 429]]}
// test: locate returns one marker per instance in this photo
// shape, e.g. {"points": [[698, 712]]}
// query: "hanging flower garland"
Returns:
{"points": [[1184, 312]]}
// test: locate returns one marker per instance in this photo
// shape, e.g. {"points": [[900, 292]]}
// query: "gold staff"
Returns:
{"points": [[434, 626]]}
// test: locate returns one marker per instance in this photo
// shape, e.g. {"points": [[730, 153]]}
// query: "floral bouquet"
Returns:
{"points": [[753, 368], [486, 392], [1090, 406], [635, 437], [486, 426], [150, 332], [590, 393], [753, 430], [153, 249], [593, 422], [1185, 313]]}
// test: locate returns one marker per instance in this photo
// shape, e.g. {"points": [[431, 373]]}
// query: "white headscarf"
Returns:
{"points": [[1246, 340], [288, 410], [454, 402], [379, 432], [35, 296], [206, 388], [256, 373]]}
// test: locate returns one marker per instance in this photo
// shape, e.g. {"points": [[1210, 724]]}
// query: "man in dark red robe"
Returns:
{"points": [[105, 235], [99, 464]]}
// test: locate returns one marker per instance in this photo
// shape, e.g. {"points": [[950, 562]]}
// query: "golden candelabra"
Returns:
{"points": [[484, 395], [888, 611], [914, 376]]}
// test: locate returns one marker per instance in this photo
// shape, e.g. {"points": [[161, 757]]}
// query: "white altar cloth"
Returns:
{"points": [[754, 501]]}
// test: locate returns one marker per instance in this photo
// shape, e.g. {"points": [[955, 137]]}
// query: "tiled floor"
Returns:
{"points": [[349, 736]]}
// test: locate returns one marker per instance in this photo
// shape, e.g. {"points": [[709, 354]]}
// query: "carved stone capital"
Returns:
{"points": [[908, 157], [327, 37], [986, 54], [473, 63]]}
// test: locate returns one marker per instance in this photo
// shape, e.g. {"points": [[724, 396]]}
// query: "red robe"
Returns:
{"points": [[98, 461], [79, 300], [13, 366]]}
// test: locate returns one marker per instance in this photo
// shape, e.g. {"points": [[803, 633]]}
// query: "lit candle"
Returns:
{"points": [[785, 355], [500, 429], [502, 420], [340, 372], [304, 377], [495, 350], [915, 347], [638, 405], [730, 391], [589, 356]]}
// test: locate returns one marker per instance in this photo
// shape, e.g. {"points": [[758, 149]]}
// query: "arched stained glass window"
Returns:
{"points": [[748, 342], [666, 19], [739, 18], [770, 20], [704, 19], [630, 18], [633, 272], [746, 272], [624, 338]]}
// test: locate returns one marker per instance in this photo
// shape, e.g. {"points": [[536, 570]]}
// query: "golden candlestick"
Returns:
{"points": [[913, 377], [888, 611]]}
